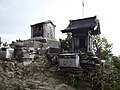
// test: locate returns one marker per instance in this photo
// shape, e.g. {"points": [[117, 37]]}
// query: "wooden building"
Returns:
{"points": [[82, 31]]}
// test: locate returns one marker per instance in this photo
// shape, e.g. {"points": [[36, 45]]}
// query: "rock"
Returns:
{"points": [[32, 85], [10, 74], [1, 79], [63, 87], [34, 76]]}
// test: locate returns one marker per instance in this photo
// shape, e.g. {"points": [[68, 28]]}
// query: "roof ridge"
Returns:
{"points": [[84, 18]]}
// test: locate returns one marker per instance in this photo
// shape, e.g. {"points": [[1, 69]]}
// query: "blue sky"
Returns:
{"points": [[16, 16]]}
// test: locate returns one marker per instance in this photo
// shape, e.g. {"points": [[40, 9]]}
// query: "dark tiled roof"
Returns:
{"points": [[84, 24], [41, 23]]}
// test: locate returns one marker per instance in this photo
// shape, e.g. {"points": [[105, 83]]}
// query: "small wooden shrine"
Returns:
{"points": [[82, 31]]}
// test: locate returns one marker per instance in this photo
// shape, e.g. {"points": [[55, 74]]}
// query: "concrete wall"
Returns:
{"points": [[49, 31], [44, 29]]}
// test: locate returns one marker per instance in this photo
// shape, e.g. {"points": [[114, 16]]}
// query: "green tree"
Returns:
{"points": [[110, 74], [19, 40], [0, 42], [102, 47], [66, 44], [12, 43], [5, 44]]}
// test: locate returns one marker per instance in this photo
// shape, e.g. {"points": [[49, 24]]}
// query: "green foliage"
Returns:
{"points": [[18, 40], [0, 41], [12, 43], [103, 78], [102, 47], [66, 44], [5, 44], [73, 80], [109, 75], [116, 63]]}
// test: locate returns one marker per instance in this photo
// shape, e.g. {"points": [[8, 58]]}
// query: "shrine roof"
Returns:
{"points": [[90, 23], [41, 23]]}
